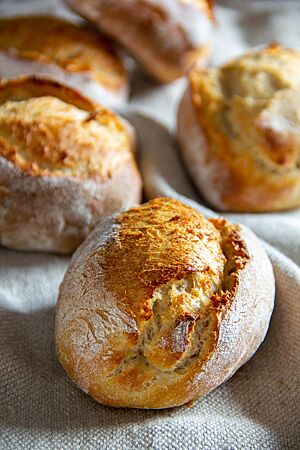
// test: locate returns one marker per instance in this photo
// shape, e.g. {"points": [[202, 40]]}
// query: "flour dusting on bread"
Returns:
{"points": [[157, 307]]}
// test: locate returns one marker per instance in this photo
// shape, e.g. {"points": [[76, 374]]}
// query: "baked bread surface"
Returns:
{"points": [[74, 54], [160, 306], [238, 128], [64, 162], [165, 36]]}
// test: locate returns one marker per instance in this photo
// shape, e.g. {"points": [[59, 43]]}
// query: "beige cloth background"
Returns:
{"points": [[259, 408]]}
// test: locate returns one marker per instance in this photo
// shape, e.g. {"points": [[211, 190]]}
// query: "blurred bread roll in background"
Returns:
{"points": [[239, 131], [165, 36], [161, 305], [64, 163], [76, 55]]}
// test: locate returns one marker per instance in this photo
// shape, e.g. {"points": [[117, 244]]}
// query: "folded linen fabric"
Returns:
{"points": [[259, 408]]}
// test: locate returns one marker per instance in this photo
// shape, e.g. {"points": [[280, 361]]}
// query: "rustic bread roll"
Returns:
{"points": [[238, 128], [165, 36], [64, 162], [160, 306], [75, 55], [239, 131]]}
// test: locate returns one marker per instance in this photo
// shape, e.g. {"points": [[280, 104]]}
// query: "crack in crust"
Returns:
{"points": [[175, 298], [171, 342]]}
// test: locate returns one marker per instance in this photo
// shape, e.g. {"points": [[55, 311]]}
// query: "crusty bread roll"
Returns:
{"points": [[75, 55], [238, 129], [165, 36], [160, 305], [64, 162]]}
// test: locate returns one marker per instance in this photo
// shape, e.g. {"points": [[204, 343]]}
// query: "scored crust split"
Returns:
{"points": [[64, 163], [160, 305], [75, 55], [165, 36]]}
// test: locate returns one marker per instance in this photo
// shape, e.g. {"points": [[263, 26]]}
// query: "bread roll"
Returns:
{"points": [[238, 129], [64, 163], [160, 305], [165, 36], [75, 55]]}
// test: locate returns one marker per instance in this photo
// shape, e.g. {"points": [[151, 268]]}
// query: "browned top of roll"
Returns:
{"points": [[167, 241], [75, 48], [249, 109], [49, 129]]}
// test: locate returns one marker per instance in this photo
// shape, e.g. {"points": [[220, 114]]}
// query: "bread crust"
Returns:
{"points": [[64, 162], [166, 37], [73, 54], [240, 148], [192, 307]]}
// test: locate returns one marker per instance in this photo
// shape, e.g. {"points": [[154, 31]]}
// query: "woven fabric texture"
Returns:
{"points": [[259, 408]]}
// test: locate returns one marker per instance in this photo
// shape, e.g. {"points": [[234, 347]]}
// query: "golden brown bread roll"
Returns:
{"points": [[64, 162], [238, 128], [165, 36], [75, 55], [160, 305]]}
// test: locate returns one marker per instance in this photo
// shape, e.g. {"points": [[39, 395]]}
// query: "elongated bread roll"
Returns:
{"points": [[165, 36], [160, 305]]}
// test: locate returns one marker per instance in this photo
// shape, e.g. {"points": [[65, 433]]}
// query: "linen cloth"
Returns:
{"points": [[259, 408]]}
